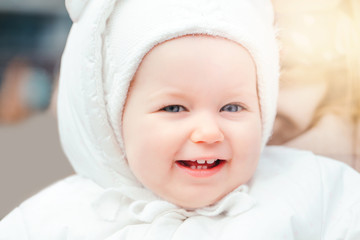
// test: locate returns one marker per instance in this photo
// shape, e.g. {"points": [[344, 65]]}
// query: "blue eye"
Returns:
{"points": [[173, 108], [231, 108]]}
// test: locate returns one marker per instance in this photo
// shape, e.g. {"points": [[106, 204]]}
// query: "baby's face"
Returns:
{"points": [[191, 123]]}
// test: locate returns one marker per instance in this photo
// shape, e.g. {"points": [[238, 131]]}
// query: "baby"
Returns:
{"points": [[200, 114], [165, 108]]}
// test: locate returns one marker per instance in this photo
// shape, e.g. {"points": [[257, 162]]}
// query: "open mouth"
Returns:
{"points": [[200, 164]]}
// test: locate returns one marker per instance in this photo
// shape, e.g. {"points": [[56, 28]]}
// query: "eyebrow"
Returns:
{"points": [[242, 91], [172, 92]]}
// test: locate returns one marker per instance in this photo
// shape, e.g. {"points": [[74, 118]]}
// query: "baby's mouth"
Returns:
{"points": [[200, 164]]}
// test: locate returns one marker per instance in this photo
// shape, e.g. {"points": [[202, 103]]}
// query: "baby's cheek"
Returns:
{"points": [[247, 150], [145, 156]]}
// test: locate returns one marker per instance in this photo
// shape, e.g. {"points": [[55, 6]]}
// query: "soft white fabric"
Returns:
{"points": [[293, 195]]}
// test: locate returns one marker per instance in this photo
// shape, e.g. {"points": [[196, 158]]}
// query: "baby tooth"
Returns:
{"points": [[193, 167], [201, 161], [211, 161], [199, 167]]}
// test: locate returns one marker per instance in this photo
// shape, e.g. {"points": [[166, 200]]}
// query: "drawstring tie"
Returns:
{"points": [[108, 205]]}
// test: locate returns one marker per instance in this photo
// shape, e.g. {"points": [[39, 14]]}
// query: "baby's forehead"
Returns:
{"points": [[194, 65], [196, 54]]}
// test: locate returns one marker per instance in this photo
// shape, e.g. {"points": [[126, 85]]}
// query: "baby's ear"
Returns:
{"points": [[76, 8]]}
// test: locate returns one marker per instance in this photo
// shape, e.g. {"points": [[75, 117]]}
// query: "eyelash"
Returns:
{"points": [[179, 108]]}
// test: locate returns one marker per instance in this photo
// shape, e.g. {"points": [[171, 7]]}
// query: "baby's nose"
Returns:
{"points": [[207, 131]]}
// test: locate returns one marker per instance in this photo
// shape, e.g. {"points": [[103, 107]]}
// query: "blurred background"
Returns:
{"points": [[319, 102], [32, 37]]}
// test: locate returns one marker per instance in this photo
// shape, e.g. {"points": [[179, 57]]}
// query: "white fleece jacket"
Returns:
{"points": [[293, 195]]}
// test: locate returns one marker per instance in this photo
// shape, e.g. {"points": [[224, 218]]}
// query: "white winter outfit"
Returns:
{"points": [[293, 194]]}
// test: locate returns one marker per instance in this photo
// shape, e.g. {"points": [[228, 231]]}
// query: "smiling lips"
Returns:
{"points": [[201, 168]]}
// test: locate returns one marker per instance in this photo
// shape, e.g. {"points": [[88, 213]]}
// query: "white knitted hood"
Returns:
{"points": [[93, 90]]}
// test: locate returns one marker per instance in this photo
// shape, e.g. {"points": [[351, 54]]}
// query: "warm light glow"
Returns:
{"points": [[319, 104], [322, 37]]}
